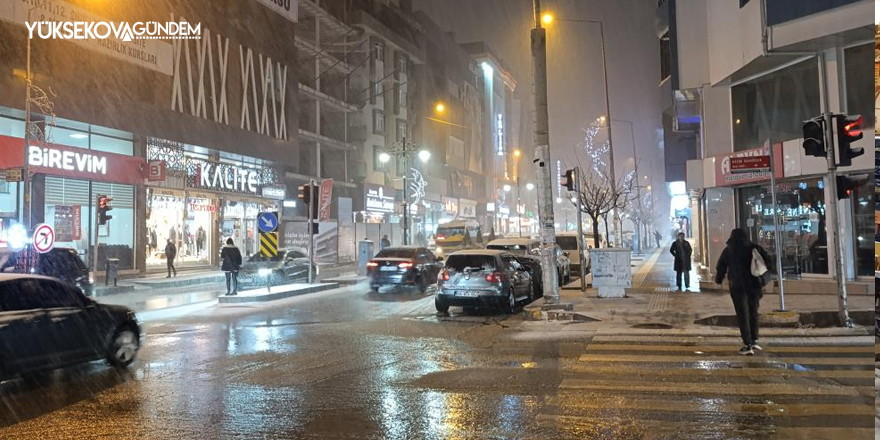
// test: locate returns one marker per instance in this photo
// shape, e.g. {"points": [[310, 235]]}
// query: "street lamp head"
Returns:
{"points": [[424, 155], [506, 188], [384, 157], [559, 200], [547, 18], [530, 186], [439, 107], [648, 187], [516, 153]]}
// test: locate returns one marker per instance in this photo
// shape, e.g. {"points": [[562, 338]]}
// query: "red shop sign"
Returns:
{"points": [[728, 169], [60, 160]]}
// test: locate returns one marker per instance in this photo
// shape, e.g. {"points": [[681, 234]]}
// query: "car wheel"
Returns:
{"points": [[441, 306], [510, 305], [123, 347]]}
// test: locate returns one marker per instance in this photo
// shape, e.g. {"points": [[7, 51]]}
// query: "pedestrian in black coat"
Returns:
{"points": [[231, 264], [170, 254], [682, 252], [745, 289]]}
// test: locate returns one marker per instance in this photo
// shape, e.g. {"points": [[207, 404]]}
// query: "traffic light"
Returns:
{"points": [[567, 180], [309, 195], [315, 228], [845, 186], [849, 130], [103, 208], [814, 137]]}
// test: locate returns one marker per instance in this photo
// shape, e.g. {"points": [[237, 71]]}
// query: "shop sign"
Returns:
{"points": [[726, 173], [14, 175], [61, 160], [68, 223], [490, 207], [467, 208], [221, 176], [200, 205], [378, 199], [156, 171], [278, 192], [749, 164], [450, 205], [286, 8], [326, 192]]}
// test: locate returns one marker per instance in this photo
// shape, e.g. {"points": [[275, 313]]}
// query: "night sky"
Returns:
{"points": [[574, 62]]}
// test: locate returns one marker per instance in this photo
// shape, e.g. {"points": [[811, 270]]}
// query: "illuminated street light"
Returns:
{"points": [[530, 186], [559, 200], [547, 18], [506, 188], [424, 155], [439, 107], [516, 153], [384, 157]]}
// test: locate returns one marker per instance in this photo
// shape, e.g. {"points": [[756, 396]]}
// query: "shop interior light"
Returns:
{"points": [[289, 204]]}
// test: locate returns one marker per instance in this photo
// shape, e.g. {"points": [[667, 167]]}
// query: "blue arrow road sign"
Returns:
{"points": [[267, 222]]}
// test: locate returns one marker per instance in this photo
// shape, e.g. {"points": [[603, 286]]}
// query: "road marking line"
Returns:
{"points": [[730, 372], [575, 401], [637, 358], [722, 348], [860, 341], [718, 389]]}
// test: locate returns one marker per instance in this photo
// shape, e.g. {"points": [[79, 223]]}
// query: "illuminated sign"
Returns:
{"points": [[221, 176], [499, 126], [67, 160], [376, 199]]}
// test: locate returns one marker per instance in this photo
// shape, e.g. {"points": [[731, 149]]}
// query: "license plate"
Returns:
{"points": [[467, 293], [388, 269]]}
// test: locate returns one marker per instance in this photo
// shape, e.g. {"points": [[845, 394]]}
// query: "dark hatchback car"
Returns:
{"points": [[403, 266], [46, 323], [62, 263], [289, 266], [483, 278]]}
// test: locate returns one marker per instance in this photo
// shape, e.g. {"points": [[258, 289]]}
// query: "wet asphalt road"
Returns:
{"points": [[344, 364]]}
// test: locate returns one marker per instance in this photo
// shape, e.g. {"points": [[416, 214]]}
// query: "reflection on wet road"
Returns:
{"points": [[344, 364]]}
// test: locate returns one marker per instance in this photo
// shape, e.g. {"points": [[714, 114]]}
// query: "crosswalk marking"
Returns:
{"points": [[665, 385]]}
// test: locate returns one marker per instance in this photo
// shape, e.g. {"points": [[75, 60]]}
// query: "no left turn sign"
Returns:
{"points": [[44, 238]]}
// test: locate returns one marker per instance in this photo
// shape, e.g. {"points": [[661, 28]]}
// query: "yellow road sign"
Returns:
{"points": [[269, 244]]}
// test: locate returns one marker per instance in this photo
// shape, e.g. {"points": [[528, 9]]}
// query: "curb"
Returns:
{"points": [[237, 299]]}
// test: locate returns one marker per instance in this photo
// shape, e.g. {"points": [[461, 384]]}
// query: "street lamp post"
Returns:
{"points": [[402, 152]]}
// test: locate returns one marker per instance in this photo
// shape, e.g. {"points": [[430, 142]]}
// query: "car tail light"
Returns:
{"points": [[494, 277], [372, 264], [405, 265], [441, 237], [444, 276]]}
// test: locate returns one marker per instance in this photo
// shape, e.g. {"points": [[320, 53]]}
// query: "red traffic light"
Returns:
{"points": [[852, 126]]}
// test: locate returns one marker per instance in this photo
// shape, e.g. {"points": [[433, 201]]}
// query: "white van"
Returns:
{"points": [[568, 242]]}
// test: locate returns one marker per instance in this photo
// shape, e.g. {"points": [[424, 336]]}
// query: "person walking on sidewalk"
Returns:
{"points": [[657, 238], [170, 254], [231, 258], [385, 242], [681, 251], [745, 289]]}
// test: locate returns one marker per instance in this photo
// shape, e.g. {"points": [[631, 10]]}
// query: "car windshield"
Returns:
{"points": [[471, 263], [567, 243], [396, 253], [450, 232]]}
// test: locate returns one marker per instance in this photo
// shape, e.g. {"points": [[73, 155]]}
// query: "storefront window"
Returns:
{"points": [[863, 224], [240, 223], [112, 145], [68, 207], [11, 127], [801, 210], [186, 221]]}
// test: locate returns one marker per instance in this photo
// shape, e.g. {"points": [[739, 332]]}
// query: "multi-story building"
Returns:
{"points": [[741, 79], [190, 137]]}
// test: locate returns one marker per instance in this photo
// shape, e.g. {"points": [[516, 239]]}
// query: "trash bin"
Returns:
{"points": [[111, 270]]}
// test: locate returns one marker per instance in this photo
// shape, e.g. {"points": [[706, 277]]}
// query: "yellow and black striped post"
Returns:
{"points": [[269, 244]]}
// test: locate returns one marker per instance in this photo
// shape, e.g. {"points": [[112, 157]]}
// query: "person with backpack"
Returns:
{"points": [[745, 265], [231, 258]]}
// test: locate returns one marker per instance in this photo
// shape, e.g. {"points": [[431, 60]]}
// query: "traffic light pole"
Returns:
{"points": [[580, 240], [542, 160], [95, 248], [313, 200], [831, 206]]}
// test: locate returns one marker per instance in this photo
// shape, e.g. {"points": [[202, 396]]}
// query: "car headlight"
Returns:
{"points": [[264, 272], [439, 249]]}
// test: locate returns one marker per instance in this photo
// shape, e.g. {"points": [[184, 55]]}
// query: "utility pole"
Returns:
{"points": [[580, 239], [542, 160], [831, 210], [315, 201], [616, 221]]}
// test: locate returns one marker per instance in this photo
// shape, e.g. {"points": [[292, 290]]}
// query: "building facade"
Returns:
{"points": [[753, 103]]}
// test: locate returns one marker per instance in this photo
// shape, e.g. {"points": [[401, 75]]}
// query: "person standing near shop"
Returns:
{"points": [[681, 251], [170, 254], [201, 237], [385, 242], [745, 289], [231, 263]]}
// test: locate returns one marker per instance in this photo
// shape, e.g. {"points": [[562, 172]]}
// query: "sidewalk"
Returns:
{"points": [[155, 292], [654, 300]]}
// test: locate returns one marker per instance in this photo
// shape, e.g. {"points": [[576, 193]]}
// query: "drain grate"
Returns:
{"points": [[653, 326]]}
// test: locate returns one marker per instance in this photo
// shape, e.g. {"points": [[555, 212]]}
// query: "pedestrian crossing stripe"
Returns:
{"points": [[269, 244]]}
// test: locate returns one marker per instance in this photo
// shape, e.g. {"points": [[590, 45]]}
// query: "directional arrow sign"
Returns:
{"points": [[44, 238], [267, 222]]}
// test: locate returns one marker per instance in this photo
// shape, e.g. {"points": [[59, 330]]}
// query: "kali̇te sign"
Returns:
{"points": [[222, 177]]}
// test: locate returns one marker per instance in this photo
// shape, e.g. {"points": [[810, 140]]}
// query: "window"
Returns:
{"points": [[53, 294], [401, 96], [857, 62], [17, 295], [378, 90], [379, 122], [462, 263], [402, 62], [379, 51], [774, 106], [397, 101], [863, 224], [801, 210], [401, 130], [377, 164], [665, 57], [396, 253]]}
